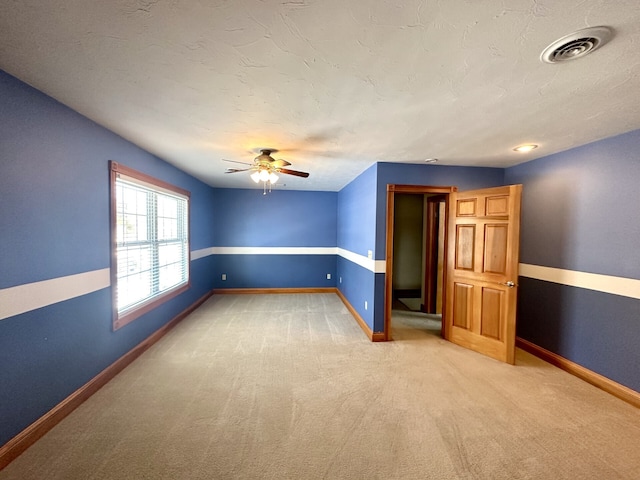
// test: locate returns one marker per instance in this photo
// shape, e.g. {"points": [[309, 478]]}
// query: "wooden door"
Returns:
{"points": [[482, 270], [434, 247]]}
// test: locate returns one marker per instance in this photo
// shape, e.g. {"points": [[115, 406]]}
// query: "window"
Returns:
{"points": [[150, 243]]}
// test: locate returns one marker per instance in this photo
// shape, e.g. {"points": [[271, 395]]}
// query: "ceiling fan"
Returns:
{"points": [[266, 169]]}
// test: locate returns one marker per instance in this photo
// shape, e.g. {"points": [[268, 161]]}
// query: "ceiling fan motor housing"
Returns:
{"points": [[265, 157]]}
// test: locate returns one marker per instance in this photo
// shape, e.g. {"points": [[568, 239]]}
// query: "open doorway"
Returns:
{"points": [[415, 257]]}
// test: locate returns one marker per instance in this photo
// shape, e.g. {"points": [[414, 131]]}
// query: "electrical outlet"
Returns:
{"points": [[340, 279], [328, 276], [224, 276], [366, 305], [370, 254]]}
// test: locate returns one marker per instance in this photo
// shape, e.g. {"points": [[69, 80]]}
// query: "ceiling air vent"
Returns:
{"points": [[576, 45]]}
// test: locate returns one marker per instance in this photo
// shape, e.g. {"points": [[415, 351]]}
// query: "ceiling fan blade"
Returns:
{"points": [[235, 161], [293, 172], [234, 170], [280, 163]]}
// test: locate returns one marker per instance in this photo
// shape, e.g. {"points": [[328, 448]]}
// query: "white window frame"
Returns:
{"points": [[125, 176]]}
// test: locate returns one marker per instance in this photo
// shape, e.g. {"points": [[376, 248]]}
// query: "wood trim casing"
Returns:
{"points": [[388, 277], [431, 253], [120, 320], [419, 189], [130, 172], [430, 260], [18, 444], [617, 390], [392, 189]]}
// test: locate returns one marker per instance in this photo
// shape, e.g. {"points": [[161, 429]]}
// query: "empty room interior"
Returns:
{"points": [[319, 239]]}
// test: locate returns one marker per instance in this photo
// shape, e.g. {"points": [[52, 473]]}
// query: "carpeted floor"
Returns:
{"points": [[411, 303], [288, 387]]}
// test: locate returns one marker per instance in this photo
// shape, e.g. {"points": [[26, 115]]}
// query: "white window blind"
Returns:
{"points": [[152, 242]]}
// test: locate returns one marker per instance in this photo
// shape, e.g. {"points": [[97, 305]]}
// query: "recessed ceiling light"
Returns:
{"points": [[525, 148], [430, 160]]}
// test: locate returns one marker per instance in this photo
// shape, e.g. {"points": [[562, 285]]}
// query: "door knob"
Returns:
{"points": [[509, 284]]}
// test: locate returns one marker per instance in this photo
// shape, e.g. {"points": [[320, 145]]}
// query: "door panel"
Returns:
{"points": [[463, 300], [495, 248], [491, 325], [482, 270], [465, 243], [497, 205], [466, 208]]}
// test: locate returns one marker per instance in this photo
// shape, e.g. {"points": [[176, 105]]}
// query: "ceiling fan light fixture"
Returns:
{"points": [[263, 174], [266, 169]]}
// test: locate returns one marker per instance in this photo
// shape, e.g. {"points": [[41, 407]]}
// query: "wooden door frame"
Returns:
{"points": [[392, 189], [431, 253]]}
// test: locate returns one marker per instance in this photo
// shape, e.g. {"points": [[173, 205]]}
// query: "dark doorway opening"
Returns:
{"points": [[416, 256]]}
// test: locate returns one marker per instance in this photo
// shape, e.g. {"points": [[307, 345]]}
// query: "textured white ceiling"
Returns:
{"points": [[335, 84]]}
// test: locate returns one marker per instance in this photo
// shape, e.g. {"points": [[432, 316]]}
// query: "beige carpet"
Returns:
{"points": [[288, 387], [412, 303]]}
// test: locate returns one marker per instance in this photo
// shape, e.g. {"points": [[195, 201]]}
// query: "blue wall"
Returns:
{"points": [[362, 210], [294, 219], [357, 213], [54, 217], [465, 178], [579, 212], [282, 218], [583, 202], [274, 271], [357, 234]]}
